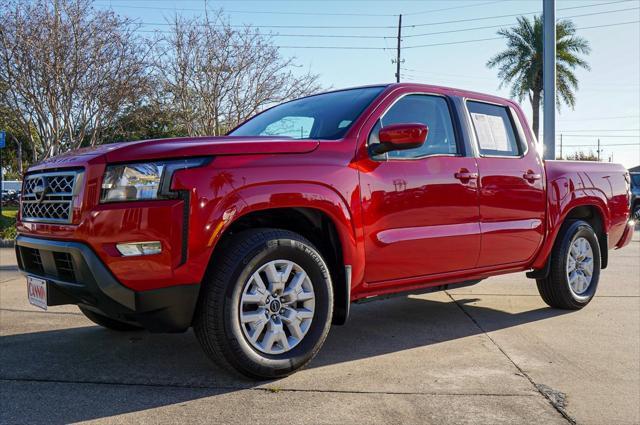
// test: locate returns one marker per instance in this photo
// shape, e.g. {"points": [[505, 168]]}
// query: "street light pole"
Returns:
{"points": [[549, 77]]}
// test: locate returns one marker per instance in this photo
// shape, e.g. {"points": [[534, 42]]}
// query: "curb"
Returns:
{"points": [[7, 243]]}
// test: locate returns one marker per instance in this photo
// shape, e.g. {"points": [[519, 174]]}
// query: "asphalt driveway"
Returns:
{"points": [[491, 353]]}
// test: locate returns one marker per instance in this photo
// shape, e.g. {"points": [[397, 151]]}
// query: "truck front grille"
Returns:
{"points": [[48, 197]]}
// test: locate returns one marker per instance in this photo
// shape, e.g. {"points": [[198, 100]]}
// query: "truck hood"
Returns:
{"points": [[177, 148]]}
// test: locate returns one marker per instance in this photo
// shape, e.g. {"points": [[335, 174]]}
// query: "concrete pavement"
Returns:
{"points": [[491, 353]]}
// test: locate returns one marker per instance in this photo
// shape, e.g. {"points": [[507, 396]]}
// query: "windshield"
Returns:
{"points": [[635, 179], [325, 116]]}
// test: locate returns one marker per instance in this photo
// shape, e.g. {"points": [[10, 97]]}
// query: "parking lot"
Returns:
{"points": [[491, 353]]}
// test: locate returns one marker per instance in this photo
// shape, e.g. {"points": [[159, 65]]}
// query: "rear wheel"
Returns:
{"points": [[108, 322], [266, 304], [574, 269]]}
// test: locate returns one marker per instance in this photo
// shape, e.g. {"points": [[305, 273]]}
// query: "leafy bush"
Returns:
{"points": [[8, 223]]}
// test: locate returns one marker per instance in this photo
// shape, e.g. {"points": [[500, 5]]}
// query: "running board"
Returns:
{"points": [[419, 291]]}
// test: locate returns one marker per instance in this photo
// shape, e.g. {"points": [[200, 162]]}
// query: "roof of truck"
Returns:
{"points": [[449, 90]]}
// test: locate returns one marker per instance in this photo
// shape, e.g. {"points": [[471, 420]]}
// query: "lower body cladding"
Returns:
{"points": [[75, 275]]}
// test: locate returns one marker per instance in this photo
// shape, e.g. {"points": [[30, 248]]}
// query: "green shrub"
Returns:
{"points": [[8, 223]]}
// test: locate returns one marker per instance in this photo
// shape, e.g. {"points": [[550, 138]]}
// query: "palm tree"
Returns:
{"points": [[521, 63]]}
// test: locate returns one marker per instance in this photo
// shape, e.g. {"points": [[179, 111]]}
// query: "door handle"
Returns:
{"points": [[531, 177], [465, 175]]}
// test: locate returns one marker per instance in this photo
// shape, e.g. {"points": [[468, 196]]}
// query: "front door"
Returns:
{"points": [[420, 206]]}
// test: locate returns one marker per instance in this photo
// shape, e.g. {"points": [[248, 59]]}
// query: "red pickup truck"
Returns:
{"points": [[261, 239]]}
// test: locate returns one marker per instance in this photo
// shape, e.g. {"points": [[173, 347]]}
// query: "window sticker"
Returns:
{"points": [[492, 134]]}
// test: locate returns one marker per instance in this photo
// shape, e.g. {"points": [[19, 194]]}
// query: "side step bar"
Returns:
{"points": [[419, 291]]}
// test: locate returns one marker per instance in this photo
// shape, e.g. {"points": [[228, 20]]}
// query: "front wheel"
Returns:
{"points": [[575, 268], [266, 304]]}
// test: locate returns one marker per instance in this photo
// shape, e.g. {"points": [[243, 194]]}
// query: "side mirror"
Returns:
{"points": [[397, 137]]}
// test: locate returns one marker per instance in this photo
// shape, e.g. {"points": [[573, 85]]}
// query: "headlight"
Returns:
{"points": [[143, 181]]}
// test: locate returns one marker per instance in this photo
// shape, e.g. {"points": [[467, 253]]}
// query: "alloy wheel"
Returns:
{"points": [[277, 307]]}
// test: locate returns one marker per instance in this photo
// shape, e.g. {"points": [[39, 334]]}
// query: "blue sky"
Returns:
{"points": [[608, 101]]}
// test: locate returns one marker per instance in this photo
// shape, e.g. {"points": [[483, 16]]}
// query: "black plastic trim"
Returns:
{"points": [[91, 271], [186, 212], [168, 309], [342, 305], [540, 273], [427, 290]]}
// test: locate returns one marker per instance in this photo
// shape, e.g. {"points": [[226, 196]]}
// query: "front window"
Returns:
{"points": [[325, 116], [429, 110]]}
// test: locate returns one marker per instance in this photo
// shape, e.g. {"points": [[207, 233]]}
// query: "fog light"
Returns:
{"points": [[139, 248]]}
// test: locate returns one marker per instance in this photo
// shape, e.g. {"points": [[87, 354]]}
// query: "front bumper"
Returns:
{"points": [[76, 275]]}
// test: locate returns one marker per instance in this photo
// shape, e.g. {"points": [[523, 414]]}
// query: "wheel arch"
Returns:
{"points": [[589, 209], [317, 213]]}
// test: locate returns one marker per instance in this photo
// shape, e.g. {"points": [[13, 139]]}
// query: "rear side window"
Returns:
{"points": [[494, 130]]}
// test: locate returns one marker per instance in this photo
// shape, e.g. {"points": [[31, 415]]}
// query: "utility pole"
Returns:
{"points": [[399, 47], [598, 150], [549, 77], [561, 146], [3, 135]]}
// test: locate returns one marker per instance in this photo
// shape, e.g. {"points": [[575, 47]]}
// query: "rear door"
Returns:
{"points": [[511, 186]]}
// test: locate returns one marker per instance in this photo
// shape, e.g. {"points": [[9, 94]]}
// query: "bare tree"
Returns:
{"points": [[581, 155], [69, 70], [216, 75]]}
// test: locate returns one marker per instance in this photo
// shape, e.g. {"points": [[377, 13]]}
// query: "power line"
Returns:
{"points": [[379, 37], [457, 30], [332, 36], [601, 135], [522, 14], [601, 145], [267, 12], [391, 48], [271, 12], [283, 26], [361, 36], [443, 74], [504, 25], [614, 129], [453, 42], [433, 33], [455, 7], [595, 5], [366, 26], [500, 38], [604, 118], [600, 13], [609, 25]]}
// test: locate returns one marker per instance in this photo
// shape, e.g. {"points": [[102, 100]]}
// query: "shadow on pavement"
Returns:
{"points": [[92, 355]]}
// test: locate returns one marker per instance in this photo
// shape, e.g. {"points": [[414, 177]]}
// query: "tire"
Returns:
{"points": [[556, 289], [636, 212], [227, 302], [108, 322]]}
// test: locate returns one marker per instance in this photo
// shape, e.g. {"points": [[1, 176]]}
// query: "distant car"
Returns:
{"points": [[635, 195], [11, 186], [11, 191]]}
